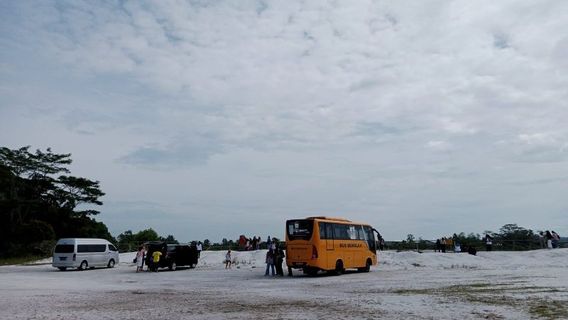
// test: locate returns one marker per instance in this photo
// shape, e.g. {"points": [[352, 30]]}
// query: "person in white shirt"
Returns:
{"points": [[199, 248]]}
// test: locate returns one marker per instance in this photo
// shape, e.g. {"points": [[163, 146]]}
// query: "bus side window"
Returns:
{"points": [[322, 228], [361, 233], [329, 230]]}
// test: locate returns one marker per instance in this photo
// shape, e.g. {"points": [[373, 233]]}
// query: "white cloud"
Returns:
{"points": [[358, 101], [438, 145]]}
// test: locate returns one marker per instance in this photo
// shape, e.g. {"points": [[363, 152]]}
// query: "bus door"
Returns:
{"points": [[371, 242]]}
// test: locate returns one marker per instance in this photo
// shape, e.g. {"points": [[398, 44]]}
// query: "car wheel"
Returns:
{"points": [[84, 265], [110, 263], [173, 266], [62, 268]]}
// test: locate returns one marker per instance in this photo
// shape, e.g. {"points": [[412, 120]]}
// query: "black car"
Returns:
{"points": [[173, 255]]}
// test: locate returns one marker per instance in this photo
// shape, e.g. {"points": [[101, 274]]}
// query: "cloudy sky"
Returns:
{"points": [[210, 119]]}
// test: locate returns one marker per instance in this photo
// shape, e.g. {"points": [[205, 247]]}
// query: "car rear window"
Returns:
{"points": [[64, 248]]}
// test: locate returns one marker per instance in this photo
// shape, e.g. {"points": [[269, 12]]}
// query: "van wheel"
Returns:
{"points": [[367, 267], [173, 266], [62, 268], [84, 265], [339, 267], [110, 263]]}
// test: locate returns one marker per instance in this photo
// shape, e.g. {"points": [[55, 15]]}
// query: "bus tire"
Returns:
{"points": [[339, 267], [367, 266], [311, 271]]}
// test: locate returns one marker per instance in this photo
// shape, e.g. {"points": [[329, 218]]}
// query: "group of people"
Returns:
{"points": [[248, 244], [549, 239], [274, 256], [453, 243], [153, 262], [442, 244], [274, 259]]}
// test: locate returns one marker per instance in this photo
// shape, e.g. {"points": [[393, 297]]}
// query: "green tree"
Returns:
{"points": [[169, 239], [40, 203], [514, 237]]}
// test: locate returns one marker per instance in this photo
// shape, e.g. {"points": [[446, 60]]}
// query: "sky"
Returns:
{"points": [[211, 119]]}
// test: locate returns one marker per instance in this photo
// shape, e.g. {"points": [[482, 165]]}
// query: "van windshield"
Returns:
{"points": [[64, 248], [299, 229]]}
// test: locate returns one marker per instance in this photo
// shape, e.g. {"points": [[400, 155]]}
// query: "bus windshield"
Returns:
{"points": [[299, 229]]}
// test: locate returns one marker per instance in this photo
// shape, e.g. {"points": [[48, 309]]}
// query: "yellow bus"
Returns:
{"points": [[329, 244]]}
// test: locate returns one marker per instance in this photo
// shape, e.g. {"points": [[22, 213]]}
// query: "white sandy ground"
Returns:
{"points": [[405, 285]]}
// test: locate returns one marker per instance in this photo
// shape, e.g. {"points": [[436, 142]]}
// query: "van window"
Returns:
{"points": [[112, 248], [91, 248], [64, 248]]}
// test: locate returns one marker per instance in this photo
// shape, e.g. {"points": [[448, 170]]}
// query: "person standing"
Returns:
{"points": [[456, 241], [140, 259], [555, 239], [156, 260], [228, 260], [199, 247], [438, 245], [443, 243], [279, 260], [269, 262], [542, 240], [548, 237], [488, 242]]}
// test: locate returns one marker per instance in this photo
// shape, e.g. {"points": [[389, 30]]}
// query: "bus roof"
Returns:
{"points": [[328, 218]]}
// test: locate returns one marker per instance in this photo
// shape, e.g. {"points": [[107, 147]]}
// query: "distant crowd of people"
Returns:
{"points": [[248, 244], [549, 239], [453, 243]]}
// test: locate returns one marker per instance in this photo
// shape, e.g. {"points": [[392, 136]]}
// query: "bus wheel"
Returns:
{"points": [[311, 272], [339, 267], [367, 267]]}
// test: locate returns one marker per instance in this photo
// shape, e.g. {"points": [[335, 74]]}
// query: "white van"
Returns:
{"points": [[82, 253]]}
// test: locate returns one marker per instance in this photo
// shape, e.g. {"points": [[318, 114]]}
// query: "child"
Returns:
{"points": [[228, 260]]}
